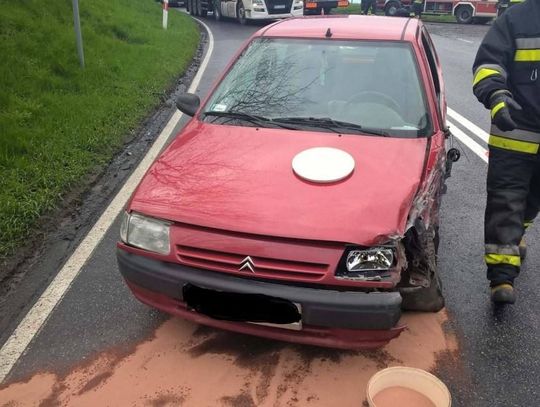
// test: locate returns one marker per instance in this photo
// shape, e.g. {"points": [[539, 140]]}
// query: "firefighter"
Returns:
{"points": [[503, 5], [418, 8], [369, 4], [507, 81]]}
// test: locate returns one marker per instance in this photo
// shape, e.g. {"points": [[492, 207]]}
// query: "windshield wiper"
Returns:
{"points": [[260, 121], [331, 124]]}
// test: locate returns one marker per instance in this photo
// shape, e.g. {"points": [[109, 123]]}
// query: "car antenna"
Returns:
{"points": [[328, 33]]}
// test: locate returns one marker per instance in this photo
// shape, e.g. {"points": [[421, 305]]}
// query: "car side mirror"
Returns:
{"points": [[188, 103]]}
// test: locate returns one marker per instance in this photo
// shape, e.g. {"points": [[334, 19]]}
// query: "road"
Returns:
{"points": [[101, 347]]}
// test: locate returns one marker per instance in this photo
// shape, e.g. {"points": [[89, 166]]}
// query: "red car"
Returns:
{"points": [[301, 201]]}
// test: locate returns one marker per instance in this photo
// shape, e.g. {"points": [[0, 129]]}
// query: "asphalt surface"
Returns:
{"points": [[498, 348]]}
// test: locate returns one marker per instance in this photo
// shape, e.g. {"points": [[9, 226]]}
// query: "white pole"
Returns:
{"points": [[165, 13], [78, 35]]}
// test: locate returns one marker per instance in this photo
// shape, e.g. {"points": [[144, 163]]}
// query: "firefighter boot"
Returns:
{"points": [[503, 294]]}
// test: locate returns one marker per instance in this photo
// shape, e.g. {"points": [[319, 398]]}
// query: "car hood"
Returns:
{"points": [[241, 179]]}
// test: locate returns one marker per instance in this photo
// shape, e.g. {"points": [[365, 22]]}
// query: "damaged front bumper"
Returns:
{"points": [[331, 318]]}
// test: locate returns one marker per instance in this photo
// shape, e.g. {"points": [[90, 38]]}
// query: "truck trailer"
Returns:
{"points": [[244, 10], [465, 12]]}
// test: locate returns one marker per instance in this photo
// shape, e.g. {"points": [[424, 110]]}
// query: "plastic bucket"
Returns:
{"points": [[415, 379]]}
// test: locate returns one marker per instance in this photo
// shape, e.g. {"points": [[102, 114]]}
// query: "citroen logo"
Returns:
{"points": [[247, 263]]}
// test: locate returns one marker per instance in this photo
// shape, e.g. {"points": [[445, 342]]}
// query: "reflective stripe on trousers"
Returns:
{"points": [[502, 254]]}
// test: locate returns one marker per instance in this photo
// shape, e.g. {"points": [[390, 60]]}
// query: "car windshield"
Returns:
{"points": [[369, 87]]}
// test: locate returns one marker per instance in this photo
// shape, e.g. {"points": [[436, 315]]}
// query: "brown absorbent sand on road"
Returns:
{"points": [[188, 365]]}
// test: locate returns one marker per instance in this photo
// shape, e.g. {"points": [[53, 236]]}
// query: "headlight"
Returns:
{"points": [[145, 233], [258, 3], [373, 259]]}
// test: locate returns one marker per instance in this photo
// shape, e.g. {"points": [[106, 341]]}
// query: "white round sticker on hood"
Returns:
{"points": [[323, 164]]}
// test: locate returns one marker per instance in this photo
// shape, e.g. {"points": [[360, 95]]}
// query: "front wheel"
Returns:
{"points": [[426, 299], [217, 10], [464, 14], [241, 13], [391, 8], [422, 258], [191, 7], [204, 12]]}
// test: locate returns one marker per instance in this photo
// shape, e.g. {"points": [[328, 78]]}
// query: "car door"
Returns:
{"points": [[435, 73]]}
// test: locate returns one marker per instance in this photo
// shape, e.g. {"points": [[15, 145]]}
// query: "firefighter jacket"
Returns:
{"points": [[508, 60]]}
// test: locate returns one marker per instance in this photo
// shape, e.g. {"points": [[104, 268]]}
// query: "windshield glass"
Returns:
{"points": [[326, 85]]}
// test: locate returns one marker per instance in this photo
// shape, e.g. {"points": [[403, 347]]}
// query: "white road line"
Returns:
{"points": [[42, 309], [469, 142], [473, 128], [467, 41], [38, 314]]}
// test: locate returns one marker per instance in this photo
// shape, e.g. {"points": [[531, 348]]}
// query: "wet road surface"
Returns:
{"points": [[101, 347]]}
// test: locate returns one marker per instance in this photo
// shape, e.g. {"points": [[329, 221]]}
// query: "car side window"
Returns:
{"points": [[432, 60]]}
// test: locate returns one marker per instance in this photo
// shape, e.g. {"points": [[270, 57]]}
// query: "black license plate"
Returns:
{"points": [[256, 308]]}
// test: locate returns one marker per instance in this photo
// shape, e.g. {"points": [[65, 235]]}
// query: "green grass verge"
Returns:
{"points": [[356, 9], [57, 121]]}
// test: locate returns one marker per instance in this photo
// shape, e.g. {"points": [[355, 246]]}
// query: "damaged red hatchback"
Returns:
{"points": [[301, 201]]}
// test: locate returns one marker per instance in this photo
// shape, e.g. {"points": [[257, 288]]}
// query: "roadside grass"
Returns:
{"points": [[357, 9], [59, 122]]}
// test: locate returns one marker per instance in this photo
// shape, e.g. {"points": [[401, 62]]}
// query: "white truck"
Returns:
{"points": [[244, 10]]}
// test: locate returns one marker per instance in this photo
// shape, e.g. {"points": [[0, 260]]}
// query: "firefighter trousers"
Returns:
{"points": [[513, 201], [367, 4]]}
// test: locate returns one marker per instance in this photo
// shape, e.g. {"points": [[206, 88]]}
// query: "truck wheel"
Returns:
{"points": [[464, 14], [217, 10], [392, 8], [203, 9], [241, 13]]}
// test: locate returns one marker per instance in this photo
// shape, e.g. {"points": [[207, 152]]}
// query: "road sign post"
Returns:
{"points": [[78, 35], [165, 13]]}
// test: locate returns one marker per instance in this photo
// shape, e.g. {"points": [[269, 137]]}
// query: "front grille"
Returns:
{"points": [[278, 6], [263, 267]]}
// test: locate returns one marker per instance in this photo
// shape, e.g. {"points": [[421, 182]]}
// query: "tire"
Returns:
{"points": [[192, 7], [464, 14], [217, 10], [327, 11], [204, 11], [392, 8], [241, 13], [428, 299]]}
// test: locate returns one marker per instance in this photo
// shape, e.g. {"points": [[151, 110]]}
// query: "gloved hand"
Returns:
{"points": [[502, 104]]}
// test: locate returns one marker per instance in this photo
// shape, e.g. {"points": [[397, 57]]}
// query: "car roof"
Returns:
{"points": [[346, 27]]}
